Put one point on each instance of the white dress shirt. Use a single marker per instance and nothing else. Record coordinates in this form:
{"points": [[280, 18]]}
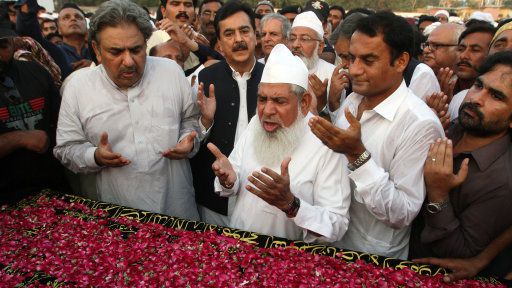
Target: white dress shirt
{"points": [[424, 82], [142, 122], [454, 106], [315, 179], [388, 190]]}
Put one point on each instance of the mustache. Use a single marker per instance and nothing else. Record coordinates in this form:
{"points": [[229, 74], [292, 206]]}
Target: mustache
{"points": [[465, 63], [182, 14], [473, 107], [240, 46], [127, 70]]}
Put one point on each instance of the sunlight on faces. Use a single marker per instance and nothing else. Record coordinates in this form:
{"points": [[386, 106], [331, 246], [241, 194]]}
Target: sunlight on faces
{"points": [[308, 50], [472, 52], [443, 56], [271, 35], [502, 43], [122, 51], [370, 69], [237, 39], [179, 11], [280, 124], [71, 21], [487, 108]]}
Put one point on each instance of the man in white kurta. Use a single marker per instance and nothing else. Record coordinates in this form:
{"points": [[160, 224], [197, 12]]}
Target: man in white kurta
{"points": [[133, 113], [313, 172]]}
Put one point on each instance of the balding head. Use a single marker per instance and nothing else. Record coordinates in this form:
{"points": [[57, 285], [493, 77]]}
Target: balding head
{"points": [[442, 51]]}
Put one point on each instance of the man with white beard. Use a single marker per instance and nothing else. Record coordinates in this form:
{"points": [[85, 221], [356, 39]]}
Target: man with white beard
{"points": [[308, 199], [306, 41]]}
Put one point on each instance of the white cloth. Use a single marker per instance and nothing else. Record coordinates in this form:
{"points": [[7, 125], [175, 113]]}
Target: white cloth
{"points": [[310, 20], [388, 190], [262, 60], [141, 122], [453, 107], [424, 81], [315, 178], [323, 70]]}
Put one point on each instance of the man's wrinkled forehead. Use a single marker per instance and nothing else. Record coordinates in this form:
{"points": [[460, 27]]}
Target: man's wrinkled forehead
{"points": [[70, 11]]}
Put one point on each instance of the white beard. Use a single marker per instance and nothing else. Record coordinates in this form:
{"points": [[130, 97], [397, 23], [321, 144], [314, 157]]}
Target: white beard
{"points": [[311, 61], [271, 148]]}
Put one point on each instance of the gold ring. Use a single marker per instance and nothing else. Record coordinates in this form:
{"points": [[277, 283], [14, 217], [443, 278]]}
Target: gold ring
{"points": [[433, 159]]}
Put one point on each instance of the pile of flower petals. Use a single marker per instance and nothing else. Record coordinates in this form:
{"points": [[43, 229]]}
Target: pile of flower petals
{"points": [[79, 248]]}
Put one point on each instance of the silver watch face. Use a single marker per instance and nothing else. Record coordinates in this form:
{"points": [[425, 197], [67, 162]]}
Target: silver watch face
{"points": [[433, 208]]}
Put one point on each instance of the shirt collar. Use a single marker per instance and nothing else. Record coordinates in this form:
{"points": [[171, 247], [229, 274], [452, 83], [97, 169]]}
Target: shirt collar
{"points": [[246, 75], [488, 154], [390, 105]]}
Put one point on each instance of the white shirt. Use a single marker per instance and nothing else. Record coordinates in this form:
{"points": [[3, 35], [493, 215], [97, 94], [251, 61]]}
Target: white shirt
{"points": [[424, 82], [454, 106], [388, 190], [141, 122], [315, 179]]}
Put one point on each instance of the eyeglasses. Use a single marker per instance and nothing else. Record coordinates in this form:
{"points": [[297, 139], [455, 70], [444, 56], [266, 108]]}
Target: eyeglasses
{"points": [[208, 14], [434, 46], [302, 39]]}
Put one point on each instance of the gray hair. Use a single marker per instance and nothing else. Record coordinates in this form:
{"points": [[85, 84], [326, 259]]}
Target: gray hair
{"points": [[116, 12], [285, 23], [298, 91], [346, 28]]}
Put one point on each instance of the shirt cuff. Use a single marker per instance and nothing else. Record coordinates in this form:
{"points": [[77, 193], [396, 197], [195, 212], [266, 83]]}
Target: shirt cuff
{"points": [[365, 176], [204, 131], [303, 219], [223, 191], [444, 220], [89, 158]]}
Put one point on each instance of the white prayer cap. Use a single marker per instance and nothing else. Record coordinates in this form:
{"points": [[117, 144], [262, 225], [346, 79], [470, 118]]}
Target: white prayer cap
{"points": [[310, 20], [283, 67], [431, 28], [443, 12], [482, 16]]}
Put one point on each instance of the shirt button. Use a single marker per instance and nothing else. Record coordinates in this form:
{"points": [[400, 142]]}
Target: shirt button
{"points": [[229, 123], [133, 100], [232, 103]]}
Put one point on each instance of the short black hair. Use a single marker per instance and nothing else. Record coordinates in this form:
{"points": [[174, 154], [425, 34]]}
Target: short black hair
{"points": [[231, 8], [503, 22], [498, 58], [480, 28], [339, 8], [360, 10], [164, 3], [424, 18], [395, 30], [209, 1]]}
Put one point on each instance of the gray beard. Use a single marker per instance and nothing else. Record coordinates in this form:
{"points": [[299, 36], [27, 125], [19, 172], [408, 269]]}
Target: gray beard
{"points": [[311, 61], [271, 148]]}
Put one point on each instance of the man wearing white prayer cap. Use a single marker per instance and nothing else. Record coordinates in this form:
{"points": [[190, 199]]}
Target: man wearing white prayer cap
{"points": [[306, 41], [288, 184], [442, 16]]}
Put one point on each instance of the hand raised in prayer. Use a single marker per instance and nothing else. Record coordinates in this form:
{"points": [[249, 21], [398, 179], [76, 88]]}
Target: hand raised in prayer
{"points": [[346, 141], [464, 268], [319, 89], [207, 105], [222, 167], [272, 187], [183, 148], [438, 170], [447, 82], [104, 155], [339, 81], [174, 30], [35, 140], [438, 102]]}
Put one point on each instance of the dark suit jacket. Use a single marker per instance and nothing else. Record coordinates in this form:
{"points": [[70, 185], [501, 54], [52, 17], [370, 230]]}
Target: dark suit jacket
{"points": [[223, 131]]}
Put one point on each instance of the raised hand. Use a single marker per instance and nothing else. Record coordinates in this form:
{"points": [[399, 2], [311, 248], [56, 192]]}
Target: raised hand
{"points": [[339, 81], [461, 268], [319, 88], [346, 141], [438, 102], [183, 148], [207, 105], [272, 187], [222, 167], [438, 170], [104, 155], [446, 81]]}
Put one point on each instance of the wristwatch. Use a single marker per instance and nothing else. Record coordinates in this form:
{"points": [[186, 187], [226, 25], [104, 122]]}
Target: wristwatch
{"points": [[436, 207], [363, 158], [293, 208]]}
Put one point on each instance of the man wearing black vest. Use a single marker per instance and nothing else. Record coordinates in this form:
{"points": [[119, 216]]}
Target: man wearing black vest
{"points": [[231, 90]]}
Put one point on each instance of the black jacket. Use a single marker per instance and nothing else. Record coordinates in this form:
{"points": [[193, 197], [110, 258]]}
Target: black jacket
{"points": [[223, 131]]}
